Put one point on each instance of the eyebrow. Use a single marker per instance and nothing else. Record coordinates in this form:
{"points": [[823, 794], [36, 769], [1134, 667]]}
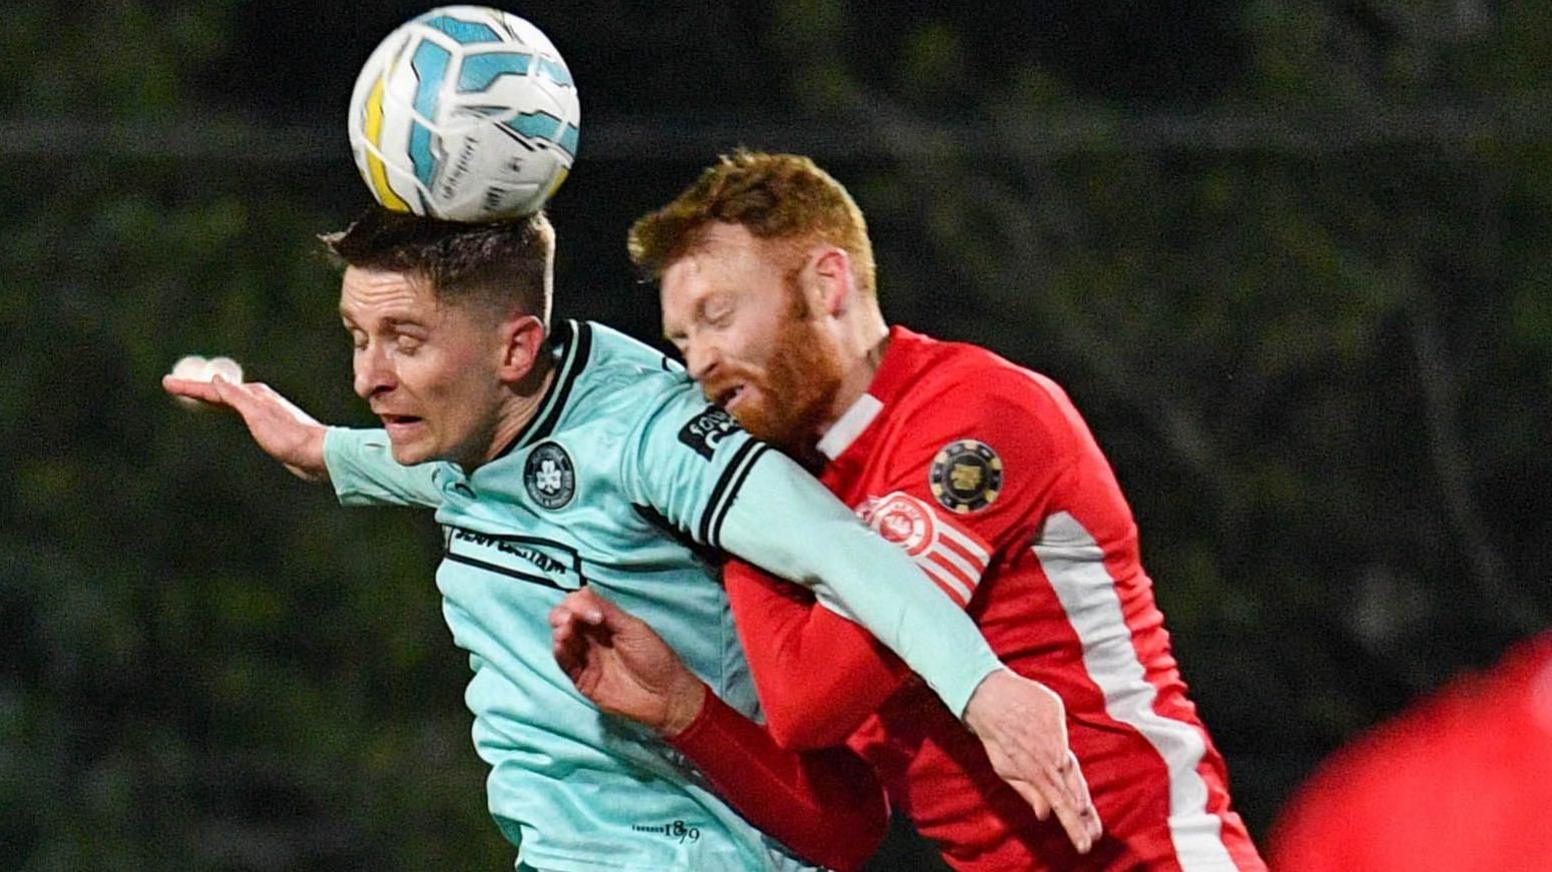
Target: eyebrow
{"points": [[390, 321]]}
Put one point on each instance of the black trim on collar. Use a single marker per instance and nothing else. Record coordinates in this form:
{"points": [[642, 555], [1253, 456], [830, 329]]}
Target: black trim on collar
{"points": [[582, 346], [571, 342]]}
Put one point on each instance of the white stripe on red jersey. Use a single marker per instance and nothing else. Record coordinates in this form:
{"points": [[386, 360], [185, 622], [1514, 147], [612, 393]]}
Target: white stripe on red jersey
{"points": [[953, 582], [1075, 565]]}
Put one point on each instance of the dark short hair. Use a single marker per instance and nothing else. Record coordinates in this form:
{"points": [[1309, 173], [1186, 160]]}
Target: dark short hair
{"points": [[507, 264]]}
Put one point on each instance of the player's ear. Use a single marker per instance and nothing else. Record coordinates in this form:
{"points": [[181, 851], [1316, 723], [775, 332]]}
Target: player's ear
{"points": [[522, 341], [831, 272]]}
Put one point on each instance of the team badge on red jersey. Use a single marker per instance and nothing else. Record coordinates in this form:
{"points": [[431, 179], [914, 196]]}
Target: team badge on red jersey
{"points": [[901, 519], [966, 476]]}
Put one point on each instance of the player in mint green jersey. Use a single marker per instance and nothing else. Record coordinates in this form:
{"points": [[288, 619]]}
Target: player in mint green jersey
{"points": [[576, 456]]}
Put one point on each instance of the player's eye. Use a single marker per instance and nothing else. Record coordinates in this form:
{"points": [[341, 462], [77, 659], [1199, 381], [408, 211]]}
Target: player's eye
{"points": [[717, 311], [408, 344]]}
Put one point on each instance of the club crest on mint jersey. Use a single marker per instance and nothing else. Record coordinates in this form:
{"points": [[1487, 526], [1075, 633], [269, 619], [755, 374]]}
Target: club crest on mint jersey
{"points": [[549, 475], [599, 489]]}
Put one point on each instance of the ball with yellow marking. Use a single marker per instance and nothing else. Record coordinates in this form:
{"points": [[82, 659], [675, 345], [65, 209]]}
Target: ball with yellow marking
{"points": [[464, 113]]}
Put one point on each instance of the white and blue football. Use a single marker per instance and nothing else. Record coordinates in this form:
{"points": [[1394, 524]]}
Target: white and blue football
{"points": [[464, 113]]}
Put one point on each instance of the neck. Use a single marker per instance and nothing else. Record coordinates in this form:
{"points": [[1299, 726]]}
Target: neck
{"points": [[863, 344], [516, 412]]}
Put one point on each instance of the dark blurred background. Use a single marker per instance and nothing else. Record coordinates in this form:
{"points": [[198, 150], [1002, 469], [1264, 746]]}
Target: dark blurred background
{"points": [[1291, 259]]}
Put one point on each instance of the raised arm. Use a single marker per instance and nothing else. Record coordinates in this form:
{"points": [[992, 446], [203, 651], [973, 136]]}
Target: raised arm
{"points": [[364, 473], [359, 463], [282, 430]]}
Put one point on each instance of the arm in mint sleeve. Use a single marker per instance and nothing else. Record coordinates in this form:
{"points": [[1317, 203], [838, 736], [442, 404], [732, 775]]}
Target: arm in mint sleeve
{"points": [[691, 463], [784, 521], [364, 473]]}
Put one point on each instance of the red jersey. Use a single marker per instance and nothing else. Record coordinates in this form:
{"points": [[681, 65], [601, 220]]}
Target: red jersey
{"points": [[1461, 782], [987, 475]]}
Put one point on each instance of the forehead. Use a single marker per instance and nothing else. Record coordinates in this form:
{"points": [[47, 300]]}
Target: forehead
{"points": [[368, 294], [726, 258]]}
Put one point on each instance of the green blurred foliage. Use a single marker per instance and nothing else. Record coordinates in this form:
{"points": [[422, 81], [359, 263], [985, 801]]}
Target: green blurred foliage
{"points": [[206, 664], [1322, 373]]}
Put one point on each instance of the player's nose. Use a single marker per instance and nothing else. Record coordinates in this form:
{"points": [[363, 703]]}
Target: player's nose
{"points": [[373, 373], [701, 359]]}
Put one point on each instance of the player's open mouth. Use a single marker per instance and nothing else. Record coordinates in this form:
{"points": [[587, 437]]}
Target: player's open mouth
{"points": [[727, 398], [399, 423]]}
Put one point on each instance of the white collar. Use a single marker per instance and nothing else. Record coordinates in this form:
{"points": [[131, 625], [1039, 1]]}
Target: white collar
{"points": [[849, 426]]}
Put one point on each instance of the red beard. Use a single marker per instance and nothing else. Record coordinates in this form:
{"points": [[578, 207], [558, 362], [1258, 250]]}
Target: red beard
{"points": [[800, 381]]}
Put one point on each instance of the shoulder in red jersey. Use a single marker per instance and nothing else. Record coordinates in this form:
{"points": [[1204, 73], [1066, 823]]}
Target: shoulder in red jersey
{"points": [[972, 447]]}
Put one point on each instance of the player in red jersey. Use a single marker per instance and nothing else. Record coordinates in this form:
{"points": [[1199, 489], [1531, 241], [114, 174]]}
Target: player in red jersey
{"points": [[1461, 782], [987, 475]]}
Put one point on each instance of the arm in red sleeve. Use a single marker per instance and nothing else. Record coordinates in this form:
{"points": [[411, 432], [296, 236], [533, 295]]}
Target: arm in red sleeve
{"points": [[825, 805], [818, 674]]}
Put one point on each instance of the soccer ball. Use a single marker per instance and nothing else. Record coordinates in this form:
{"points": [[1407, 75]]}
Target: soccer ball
{"points": [[466, 114]]}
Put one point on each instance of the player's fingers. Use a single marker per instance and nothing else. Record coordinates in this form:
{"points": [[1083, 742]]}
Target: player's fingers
{"points": [[568, 656], [1067, 792], [1079, 787], [235, 396], [562, 627], [263, 397], [1074, 823], [610, 613], [561, 615], [585, 605], [193, 389], [265, 392], [1032, 796], [574, 631], [274, 398], [573, 651], [1045, 775], [1069, 786], [582, 606], [562, 624], [1044, 789]]}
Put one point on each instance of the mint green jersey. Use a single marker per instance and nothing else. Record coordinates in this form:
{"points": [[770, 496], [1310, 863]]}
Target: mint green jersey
{"points": [[628, 480]]}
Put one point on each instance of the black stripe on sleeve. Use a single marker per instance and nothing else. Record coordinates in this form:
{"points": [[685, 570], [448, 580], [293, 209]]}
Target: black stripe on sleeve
{"points": [[727, 501], [728, 474]]}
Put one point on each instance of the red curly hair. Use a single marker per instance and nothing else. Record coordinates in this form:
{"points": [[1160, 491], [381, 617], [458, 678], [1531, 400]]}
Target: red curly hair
{"points": [[779, 197]]}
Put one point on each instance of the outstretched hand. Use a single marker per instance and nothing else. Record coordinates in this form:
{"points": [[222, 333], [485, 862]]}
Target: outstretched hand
{"points": [[620, 663], [284, 431], [1023, 726]]}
